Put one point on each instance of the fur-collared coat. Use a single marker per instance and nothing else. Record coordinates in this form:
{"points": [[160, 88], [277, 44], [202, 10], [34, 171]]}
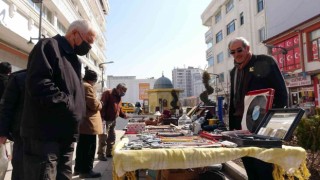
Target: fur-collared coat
{"points": [[92, 123]]}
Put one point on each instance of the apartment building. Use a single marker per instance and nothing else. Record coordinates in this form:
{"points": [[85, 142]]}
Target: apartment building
{"points": [[227, 19], [287, 31], [188, 79], [21, 27]]}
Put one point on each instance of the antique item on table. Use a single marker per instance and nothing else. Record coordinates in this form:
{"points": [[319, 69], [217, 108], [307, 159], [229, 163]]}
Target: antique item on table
{"points": [[151, 121], [276, 126], [170, 134], [135, 127], [257, 103]]}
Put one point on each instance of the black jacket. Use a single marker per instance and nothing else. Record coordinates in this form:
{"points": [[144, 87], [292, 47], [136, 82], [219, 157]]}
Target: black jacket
{"points": [[260, 73], [54, 98], [3, 83], [11, 105]]}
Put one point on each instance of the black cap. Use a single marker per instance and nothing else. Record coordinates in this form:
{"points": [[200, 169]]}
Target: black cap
{"points": [[90, 75]]}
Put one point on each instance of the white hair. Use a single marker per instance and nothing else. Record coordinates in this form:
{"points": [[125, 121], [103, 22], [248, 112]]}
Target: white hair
{"points": [[244, 41], [82, 25]]}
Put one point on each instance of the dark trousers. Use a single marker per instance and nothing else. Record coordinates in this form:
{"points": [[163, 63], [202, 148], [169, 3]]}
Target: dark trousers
{"points": [[85, 152], [106, 141], [17, 159], [235, 123], [47, 160], [257, 169]]}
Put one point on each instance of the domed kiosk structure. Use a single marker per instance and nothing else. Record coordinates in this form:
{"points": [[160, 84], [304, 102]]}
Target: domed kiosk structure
{"points": [[162, 94]]}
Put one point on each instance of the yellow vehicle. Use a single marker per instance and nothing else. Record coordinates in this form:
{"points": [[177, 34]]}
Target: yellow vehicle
{"points": [[128, 107]]}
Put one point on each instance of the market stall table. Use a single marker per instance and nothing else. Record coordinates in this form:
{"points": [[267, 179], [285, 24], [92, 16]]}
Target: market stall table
{"points": [[286, 159]]}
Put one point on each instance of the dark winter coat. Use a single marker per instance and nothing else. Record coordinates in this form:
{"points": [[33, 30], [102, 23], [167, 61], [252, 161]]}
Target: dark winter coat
{"points": [[3, 83], [11, 105], [54, 98], [261, 72]]}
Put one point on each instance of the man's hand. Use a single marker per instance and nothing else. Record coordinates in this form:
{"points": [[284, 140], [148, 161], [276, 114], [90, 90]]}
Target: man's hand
{"points": [[3, 139]]}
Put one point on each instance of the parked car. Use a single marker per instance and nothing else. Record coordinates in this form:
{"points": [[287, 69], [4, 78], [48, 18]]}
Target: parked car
{"points": [[128, 107]]}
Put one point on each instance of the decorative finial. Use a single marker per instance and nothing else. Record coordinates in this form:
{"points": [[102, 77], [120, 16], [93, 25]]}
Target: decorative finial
{"points": [[162, 74]]}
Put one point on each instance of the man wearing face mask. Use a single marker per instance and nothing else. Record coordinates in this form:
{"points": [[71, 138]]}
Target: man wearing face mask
{"points": [[111, 109], [253, 72], [54, 102]]}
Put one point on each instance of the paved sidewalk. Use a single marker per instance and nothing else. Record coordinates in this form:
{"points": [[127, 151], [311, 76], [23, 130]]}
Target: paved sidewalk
{"points": [[104, 167]]}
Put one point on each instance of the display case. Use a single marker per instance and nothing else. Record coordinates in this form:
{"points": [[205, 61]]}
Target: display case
{"points": [[277, 126]]}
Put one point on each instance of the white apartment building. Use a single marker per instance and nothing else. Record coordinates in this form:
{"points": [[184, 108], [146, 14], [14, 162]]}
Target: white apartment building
{"points": [[21, 27], [188, 79], [137, 88], [227, 19]]}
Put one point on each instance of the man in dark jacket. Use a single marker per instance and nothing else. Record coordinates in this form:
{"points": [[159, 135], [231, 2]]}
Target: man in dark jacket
{"points": [[11, 107], [54, 102], [5, 70], [111, 109], [253, 72]]}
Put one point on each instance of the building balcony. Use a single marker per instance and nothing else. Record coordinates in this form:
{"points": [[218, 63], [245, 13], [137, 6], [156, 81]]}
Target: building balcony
{"points": [[209, 53], [209, 36]]}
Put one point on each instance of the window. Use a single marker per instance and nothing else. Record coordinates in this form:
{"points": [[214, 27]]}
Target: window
{"points": [[315, 45], [229, 6], [291, 60], [221, 77], [218, 17], [219, 36], [210, 61], [47, 14], [241, 19], [262, 34], [220, 57], [61, 28], [36, 6], [231, 27], [259, 5], [209, 44]]}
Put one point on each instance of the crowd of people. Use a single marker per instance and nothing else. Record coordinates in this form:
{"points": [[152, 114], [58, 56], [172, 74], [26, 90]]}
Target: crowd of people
{"points": [[46, 108]]}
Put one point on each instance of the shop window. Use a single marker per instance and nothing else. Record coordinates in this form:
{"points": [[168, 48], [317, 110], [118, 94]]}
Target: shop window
{"points": [[291, 60], [315, 45]]}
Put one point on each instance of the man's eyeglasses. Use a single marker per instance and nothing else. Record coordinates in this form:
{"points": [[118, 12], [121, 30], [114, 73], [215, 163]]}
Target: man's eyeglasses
{"points": [[238, 51]]}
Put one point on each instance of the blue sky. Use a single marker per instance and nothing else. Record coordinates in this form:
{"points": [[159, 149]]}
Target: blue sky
{"points": [[148, 37]]}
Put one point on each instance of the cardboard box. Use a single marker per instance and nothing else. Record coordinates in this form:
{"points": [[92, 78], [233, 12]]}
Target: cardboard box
{"points": [[185, 174]]}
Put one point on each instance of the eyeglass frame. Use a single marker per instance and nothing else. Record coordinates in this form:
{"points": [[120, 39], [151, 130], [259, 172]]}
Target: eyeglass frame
{"points": [[238, 50]]}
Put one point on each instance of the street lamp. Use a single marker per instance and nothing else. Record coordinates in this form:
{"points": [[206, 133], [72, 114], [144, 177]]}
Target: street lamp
{"points": [[40, 21], [102, 73]]}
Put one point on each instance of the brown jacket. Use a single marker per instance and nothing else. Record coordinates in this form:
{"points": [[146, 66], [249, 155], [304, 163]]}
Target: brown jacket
{"points": [[112, 106], [92, 123]]}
